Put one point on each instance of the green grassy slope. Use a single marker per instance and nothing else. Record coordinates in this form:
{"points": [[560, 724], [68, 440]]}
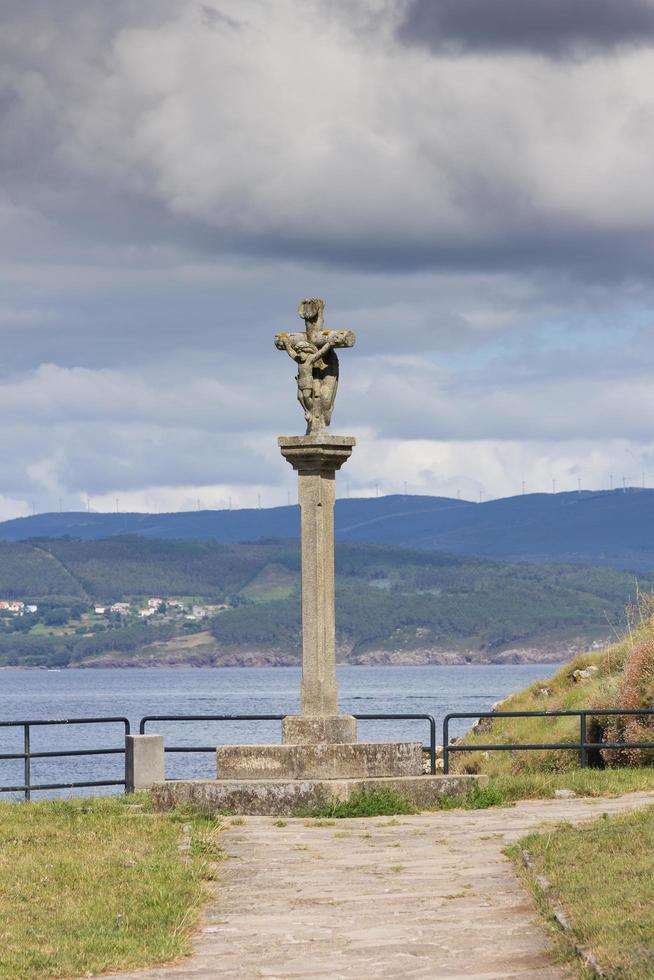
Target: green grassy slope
{"points": [[621, 676]]}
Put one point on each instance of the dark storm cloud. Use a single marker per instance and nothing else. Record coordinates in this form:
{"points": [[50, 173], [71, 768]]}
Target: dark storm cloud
{"points": [[105, 139], [557, 28], [90, 16], [585, 254]]}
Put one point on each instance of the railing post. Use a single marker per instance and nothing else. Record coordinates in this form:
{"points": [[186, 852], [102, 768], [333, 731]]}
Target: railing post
{"points": [[26, 750], [583, 755], [432, 746], [446, 751]]}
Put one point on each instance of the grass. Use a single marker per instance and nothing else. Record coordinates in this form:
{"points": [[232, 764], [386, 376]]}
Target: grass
{"points": [[564, 694], [501, 791], [478, 798], [584, 782], [366, 803], [602, 875], [93, 885], [623, 676], [507, 789]]}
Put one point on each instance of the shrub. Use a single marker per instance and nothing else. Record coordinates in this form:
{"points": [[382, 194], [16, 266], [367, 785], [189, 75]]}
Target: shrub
{"points": [[635, 690]]}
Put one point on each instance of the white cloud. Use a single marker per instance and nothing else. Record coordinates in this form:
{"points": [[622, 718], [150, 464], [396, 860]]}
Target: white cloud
{"points": [[178, 176], [11, 508], [495, 469]]}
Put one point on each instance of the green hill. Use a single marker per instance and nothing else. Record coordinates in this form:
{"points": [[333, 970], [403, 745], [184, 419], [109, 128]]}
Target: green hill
{"points": [[390, 600]]}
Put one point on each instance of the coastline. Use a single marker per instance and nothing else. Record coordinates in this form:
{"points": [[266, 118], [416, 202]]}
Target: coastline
{"points": [[552, 650], [188, 652], [263, 660]]}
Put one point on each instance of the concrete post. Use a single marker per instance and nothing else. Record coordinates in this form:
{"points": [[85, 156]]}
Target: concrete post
{"points": [[316, 458], [144, 761]]}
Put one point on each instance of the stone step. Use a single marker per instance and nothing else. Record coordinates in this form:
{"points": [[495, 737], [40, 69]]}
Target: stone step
{"points": [[323, 760], [289, 797]]}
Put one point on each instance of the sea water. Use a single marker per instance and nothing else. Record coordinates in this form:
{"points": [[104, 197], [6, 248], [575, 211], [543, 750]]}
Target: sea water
{"points": [[134, 693]]}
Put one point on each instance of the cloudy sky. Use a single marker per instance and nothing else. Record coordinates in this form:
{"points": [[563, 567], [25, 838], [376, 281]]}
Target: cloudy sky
{"points": [[468, 183]]}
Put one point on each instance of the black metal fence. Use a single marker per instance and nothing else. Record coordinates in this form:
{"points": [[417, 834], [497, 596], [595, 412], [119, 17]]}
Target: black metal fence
{"points": [[27, 755], [581, 746], [430, 748]]}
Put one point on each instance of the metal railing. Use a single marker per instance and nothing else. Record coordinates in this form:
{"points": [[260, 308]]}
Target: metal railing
{"points": [[430, 748], [582, 745], [27, 755]]}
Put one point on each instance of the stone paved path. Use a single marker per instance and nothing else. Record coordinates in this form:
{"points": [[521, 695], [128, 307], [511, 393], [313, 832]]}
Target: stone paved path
{"points": [[418, 896]]}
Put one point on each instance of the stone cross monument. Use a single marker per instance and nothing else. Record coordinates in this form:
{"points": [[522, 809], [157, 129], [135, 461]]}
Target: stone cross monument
{"points": [[319, 759], [316, 457]]}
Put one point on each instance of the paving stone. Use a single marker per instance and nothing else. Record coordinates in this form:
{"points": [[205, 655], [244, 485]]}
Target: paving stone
{"points": [[305, 901]]}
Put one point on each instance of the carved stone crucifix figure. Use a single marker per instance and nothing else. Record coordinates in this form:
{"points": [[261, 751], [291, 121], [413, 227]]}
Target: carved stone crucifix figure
{"points": [[313, 352]]}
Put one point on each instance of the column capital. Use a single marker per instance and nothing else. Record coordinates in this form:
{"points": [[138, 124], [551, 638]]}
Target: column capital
{"points": [[317, 453]]}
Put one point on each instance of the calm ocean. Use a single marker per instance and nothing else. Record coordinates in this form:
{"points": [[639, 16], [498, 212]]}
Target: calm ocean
{"points": [[32, 694]]}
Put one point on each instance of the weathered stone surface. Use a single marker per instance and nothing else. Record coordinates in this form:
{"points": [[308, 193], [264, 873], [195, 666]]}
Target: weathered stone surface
{"points": [[144, 761], [304, 729], [316, 459], [319, 453], [578, 676], [317, 363], [324, 760], [421, 897], [284, 797]]}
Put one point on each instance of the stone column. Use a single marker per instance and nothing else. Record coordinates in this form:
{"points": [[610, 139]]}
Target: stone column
{"points": [[316, 458]]}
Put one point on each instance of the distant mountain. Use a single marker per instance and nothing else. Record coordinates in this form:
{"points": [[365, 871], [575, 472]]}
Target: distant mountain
{"points": [[227, 526], [610, 528]]}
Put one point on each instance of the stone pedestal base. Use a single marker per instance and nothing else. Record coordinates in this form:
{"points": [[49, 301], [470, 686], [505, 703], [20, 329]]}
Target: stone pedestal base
{"points": [[308, 729], [324, 760], [292, 797]]}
